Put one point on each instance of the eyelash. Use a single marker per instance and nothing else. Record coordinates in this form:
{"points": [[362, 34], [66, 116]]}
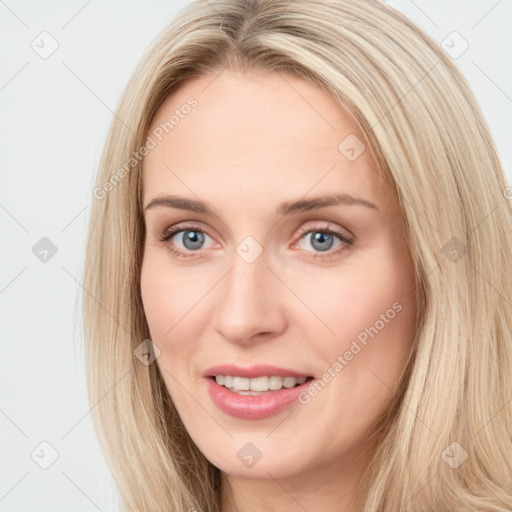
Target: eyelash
{"points": [[167, 235]]}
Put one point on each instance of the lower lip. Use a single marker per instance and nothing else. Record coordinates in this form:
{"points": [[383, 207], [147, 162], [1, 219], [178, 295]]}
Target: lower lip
{"points": [[253, 407]]}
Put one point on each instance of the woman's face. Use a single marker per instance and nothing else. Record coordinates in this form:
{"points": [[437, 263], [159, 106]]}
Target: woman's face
{"points": [[274, 273]]}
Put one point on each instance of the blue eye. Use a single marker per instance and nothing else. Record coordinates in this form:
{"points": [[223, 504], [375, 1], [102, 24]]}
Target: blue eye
{"points": [[192, 239], [322, 238]]}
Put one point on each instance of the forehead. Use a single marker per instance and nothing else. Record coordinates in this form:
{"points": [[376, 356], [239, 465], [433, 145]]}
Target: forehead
{"points": [[268, 136]]}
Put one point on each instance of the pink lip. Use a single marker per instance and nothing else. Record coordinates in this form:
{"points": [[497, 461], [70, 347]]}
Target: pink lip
{"points": [[259, 370], [253, 407]]}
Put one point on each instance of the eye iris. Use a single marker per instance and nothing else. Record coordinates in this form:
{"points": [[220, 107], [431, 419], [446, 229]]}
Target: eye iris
{"points": [[321, 238], [195, 237]]}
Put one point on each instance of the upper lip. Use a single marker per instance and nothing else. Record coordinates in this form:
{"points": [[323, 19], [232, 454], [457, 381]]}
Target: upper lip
{"points": [[258, 370]]}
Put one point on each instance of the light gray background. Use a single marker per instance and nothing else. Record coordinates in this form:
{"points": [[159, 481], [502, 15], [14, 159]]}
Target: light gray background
{"points": [[56, 112]]}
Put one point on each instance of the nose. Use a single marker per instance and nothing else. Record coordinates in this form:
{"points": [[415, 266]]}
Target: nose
{"points": [[250, 303]]}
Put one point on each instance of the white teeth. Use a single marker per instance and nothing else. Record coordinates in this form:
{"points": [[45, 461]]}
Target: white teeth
{"points": [[275, 383], [241, 383], [289, 382], [258, 384]]}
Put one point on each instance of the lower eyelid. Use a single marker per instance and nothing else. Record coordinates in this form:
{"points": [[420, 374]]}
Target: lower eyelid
{"points": [[345, 240]]}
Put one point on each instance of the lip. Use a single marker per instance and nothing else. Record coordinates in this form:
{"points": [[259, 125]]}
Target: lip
{"points": [[253, 407], [251, 372]]}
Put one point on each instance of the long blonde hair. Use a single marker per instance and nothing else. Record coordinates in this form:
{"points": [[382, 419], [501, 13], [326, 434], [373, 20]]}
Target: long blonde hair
{"points": [[446, 441]]}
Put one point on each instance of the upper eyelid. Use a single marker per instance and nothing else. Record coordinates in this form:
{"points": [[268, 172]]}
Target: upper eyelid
{"points": [[347, 242], [319, 226]]}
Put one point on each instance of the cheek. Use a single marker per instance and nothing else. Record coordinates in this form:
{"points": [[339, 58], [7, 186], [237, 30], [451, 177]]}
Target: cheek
{"points": [[368, 316], [157, 300], [171, 304], [354, 298], [169, 294], [372, 313], [165, 300]]}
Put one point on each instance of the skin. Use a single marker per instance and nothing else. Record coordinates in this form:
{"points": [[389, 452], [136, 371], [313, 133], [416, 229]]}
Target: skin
{"points": [[255, 140]]}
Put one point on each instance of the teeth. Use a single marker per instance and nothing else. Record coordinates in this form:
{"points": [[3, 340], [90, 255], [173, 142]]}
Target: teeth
{"points": [[258, 384], [241, 383], [275, 383]]}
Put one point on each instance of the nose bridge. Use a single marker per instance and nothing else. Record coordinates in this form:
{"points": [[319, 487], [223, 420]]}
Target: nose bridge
{"points": [[248, 302]]}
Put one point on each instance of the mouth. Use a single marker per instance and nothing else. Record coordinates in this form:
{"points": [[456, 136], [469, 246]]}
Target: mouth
{"points": [[253, 398], [258, 385]]}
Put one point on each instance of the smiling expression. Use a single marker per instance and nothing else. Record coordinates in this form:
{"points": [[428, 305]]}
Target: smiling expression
{"points": [[267, 244]]}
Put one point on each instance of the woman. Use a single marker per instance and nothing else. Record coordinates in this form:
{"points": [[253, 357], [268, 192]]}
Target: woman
{"points": [[235, 363]]}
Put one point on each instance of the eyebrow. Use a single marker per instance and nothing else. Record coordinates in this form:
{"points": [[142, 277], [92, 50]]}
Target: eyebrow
{"points": [[300, 205]]}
